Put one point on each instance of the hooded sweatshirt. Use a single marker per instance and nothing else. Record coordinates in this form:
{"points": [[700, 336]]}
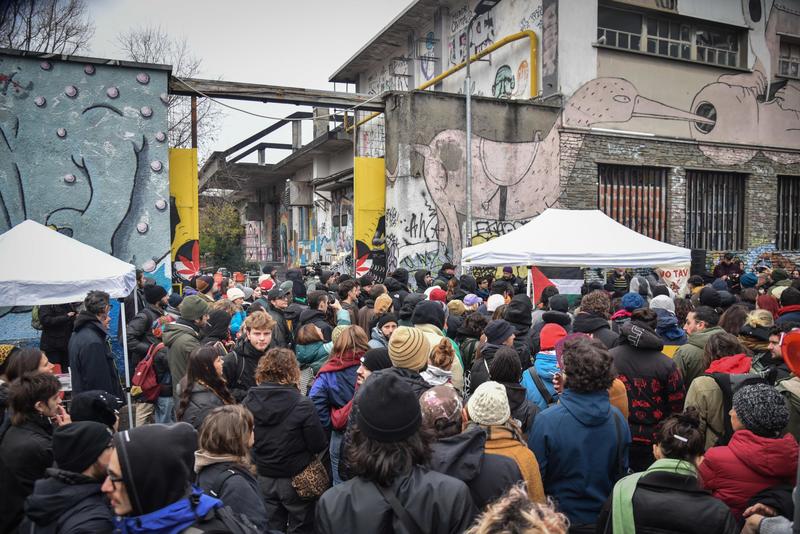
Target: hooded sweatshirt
{"points": [[576, 445], [689, 357], [407, 309], [156, 462], [68, 502], [419, 277], [287, 429], [597, 326], [462, 456], [654, 384], [669, 330]]}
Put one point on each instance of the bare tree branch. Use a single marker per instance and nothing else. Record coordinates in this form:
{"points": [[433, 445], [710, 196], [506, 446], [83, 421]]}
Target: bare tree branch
{"points": [[60, 26], [152, 44]]}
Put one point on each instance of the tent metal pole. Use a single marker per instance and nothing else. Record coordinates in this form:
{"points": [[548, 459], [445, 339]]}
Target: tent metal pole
{"points": [[530, 281], [131, 420]]}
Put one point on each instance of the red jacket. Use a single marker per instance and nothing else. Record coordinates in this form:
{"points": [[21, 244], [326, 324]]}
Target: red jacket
{"points": [[747, 465]]}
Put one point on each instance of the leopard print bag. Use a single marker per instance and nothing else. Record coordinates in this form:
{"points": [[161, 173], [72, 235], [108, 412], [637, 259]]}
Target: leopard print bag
{"points": [[312, 481]]}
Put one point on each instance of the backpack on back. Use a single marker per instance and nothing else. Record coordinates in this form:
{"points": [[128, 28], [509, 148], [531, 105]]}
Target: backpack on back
{"points": [[145, 376], [728, 387]]}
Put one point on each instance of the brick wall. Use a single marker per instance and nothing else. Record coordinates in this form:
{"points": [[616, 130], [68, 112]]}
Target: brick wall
{"points": [[580, 154]]}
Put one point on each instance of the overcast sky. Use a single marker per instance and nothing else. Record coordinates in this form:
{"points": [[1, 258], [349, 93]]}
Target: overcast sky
{"points": [[296, 43]]}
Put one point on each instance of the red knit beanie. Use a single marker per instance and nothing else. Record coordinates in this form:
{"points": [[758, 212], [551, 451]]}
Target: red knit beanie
{"points": [[551, 334]]}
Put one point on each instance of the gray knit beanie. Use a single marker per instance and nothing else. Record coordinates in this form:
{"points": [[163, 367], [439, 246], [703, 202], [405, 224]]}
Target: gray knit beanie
{"points": [[761, 410]]}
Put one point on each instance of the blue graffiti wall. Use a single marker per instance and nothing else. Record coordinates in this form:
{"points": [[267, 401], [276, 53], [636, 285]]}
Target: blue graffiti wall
{"points": [[83, 149]]}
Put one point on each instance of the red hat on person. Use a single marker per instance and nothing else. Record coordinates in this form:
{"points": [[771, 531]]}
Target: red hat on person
{"points": [[551, 334], [267, 284], [438, 294]]}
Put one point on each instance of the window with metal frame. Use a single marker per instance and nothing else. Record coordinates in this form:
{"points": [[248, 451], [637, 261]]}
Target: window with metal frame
{"points": [[634, 196], [714, 210], [788, 225], [667, 36]]}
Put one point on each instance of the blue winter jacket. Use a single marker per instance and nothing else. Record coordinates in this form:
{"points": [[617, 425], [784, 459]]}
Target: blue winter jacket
{"points": [[575, 443], [236, 321], [332, 390], [545, 365], [668, 329]]}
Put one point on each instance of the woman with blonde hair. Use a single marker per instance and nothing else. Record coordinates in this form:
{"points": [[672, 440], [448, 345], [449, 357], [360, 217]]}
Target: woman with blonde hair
{"points": [[288, 436], [335, 385], [223, 465], [515, 512]]}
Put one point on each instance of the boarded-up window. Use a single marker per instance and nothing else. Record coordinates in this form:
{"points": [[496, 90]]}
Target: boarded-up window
{"points": [[714, 210], [788, 236], [635, 197]]}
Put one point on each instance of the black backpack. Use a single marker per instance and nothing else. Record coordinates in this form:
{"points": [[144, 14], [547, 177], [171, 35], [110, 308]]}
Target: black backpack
{"points": [[221, 520], [728, 387]]}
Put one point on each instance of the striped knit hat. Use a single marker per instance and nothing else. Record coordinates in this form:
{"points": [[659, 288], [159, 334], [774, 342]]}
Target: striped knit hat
{"points": [[409, 348]]}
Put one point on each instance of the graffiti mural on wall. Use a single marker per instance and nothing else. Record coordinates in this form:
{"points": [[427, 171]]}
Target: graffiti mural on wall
{"points": [[184, 214], [483, 35], [427, 59], [83, 148]]}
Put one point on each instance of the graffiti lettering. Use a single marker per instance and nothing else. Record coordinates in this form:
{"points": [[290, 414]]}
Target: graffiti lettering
{"points": [[489, 229]]}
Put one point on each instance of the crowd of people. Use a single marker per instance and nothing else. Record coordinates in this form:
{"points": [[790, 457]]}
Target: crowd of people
{"points": [[424, 403]]}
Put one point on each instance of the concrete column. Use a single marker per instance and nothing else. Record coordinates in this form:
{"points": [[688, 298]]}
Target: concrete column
{"points": [[320, 121], [676, 204], [297, 135]]}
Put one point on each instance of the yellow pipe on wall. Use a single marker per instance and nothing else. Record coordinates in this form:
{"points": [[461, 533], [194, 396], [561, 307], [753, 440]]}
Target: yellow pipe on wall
{"points": [[534, 85]]}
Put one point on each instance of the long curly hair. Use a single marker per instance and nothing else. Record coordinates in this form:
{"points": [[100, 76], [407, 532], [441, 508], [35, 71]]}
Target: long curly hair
{"points": [[515, 513], [200, 370]]}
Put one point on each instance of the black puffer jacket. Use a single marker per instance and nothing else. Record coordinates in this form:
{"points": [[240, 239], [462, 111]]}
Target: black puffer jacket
{"points": [[397, 291], [201, 402], [436, 502], [463, 456], [236, 487], [599, 327], [140, 335], [91, 361], [26, 452], [56, 326], [316, 317], [239, 368], [287, 429], [519, 314], [695, 511], [522, 409], [67, 503], [480, 367]]}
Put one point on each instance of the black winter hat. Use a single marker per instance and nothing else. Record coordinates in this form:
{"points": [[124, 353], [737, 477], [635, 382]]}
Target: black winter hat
{"points": [[95, 405], [498, 331], [559, 303], [386, 318], [377, 359], [157, 464], [154, 293], [428, 312], [519, 310], [407, 309], [710, 297], [76, 446], [388, 409], [726, 299]]}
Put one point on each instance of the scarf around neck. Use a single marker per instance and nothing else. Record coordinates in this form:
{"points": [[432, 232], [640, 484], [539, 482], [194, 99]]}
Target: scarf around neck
{"points": [[622, 503]]}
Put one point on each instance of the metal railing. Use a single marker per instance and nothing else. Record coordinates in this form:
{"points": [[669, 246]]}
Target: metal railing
{"points": [[534, 85]]}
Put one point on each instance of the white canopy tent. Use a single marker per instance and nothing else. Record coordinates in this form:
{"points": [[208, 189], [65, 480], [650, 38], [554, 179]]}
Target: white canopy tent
{"points": [[574, 238], [42, 266]]}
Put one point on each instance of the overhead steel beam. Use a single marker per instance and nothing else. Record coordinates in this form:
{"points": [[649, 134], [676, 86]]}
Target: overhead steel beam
{"points": [[273, 93], [269, 129]]}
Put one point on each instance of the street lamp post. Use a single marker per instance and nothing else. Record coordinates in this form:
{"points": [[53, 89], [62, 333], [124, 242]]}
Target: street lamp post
{"points": [[484, 6]]}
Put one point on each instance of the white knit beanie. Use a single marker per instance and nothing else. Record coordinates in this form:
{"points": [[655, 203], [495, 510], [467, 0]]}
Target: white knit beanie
{"points": [[489, 404], [494, 302], [662, 302]]}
